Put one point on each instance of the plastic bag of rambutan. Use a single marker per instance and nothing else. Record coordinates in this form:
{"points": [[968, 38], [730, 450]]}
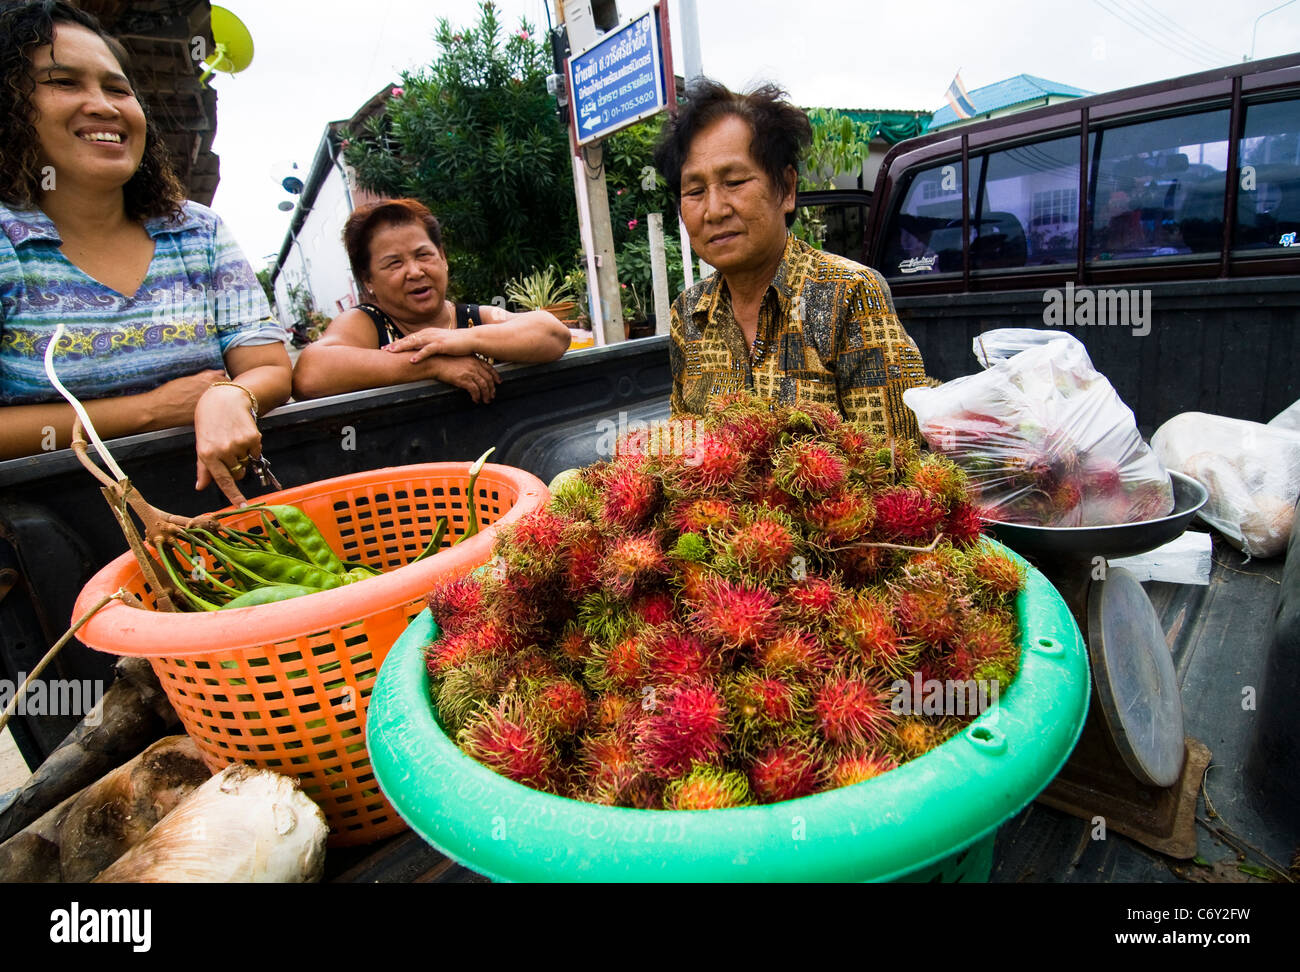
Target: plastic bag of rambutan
{"points": [[1043, 436], [741, 608]]}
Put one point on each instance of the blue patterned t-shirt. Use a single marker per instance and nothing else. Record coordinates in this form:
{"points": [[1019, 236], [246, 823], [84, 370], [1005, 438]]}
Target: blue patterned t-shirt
{"points": [[199, 299]]}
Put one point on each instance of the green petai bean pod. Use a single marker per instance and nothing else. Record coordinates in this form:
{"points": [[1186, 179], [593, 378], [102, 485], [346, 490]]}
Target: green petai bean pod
{"points": [[268, 595], [300, 528]]}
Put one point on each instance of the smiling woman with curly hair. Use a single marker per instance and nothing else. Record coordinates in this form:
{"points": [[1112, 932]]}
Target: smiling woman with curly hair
{"points": [[160, 308], [153, 190]]}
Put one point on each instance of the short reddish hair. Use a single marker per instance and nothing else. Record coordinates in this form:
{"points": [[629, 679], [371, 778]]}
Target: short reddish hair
{"points": [[362, 224]]}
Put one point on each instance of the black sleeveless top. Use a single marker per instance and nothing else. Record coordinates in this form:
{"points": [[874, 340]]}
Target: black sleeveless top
{"points": [[467, 315]]}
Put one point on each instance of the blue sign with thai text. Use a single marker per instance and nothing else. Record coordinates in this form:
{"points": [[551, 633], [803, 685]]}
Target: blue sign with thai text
{"points": [[619, 81]]}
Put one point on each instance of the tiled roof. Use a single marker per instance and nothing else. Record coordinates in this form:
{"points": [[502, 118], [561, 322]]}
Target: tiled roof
{"points": [[1007, 94]]}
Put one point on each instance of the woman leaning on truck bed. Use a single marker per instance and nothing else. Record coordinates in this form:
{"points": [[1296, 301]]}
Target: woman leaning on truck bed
{"points": [[779, 318], [165, 323], [406, 329]]}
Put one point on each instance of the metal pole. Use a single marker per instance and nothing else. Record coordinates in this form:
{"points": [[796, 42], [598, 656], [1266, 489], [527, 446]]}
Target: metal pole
{"points": [[690, 29], [584, 230], [1256, 27], [659, 271]]}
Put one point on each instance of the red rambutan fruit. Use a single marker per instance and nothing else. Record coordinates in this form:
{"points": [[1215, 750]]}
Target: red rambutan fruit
{"points": [[560, 706], [939, 478], [497, 640], [996, 571], [632, 562], [862, 565], [811, 599], [504, 739], [765, 491], [848, 770], [858, 446], [812, 418], [654, 609], [574, 645], [712, 463], [932, 614], [850, 711], [907, 513], [963, 526], [760, 699], [673, 653], [618, 666], [865, 625], [456, 603], [1066, 499], [631, 494], [762, 546], [913, 737], [613, 710], [1101, 476], [451, 651], [692, 579], [809, 468], [734, 614], [584, 552], [688, 724], [785, 772], [533, 541], [703, 515], [609, 768], [708, 788], [842, 517], [791, 651]]}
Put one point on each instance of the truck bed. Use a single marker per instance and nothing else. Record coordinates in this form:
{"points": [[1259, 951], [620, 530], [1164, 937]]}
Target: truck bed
{"points": [[1220, 637]]}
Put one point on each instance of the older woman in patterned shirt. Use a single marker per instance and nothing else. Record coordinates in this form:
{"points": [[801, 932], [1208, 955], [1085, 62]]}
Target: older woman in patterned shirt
{"points": [[779, 318], [165, 322]]}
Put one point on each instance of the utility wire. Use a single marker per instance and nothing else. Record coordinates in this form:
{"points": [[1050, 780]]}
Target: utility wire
{"points": [[1163, 42], [1217, 52]]}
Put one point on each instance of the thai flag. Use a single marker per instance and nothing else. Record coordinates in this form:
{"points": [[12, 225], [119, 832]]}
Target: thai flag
{"points": [[957, 98]]}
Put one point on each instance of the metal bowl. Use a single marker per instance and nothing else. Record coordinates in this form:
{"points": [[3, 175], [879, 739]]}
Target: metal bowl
{"points": [[1117, 540]]}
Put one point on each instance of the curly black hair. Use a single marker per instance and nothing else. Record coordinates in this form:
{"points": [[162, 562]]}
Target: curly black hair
{"points": [[154, 190], [781, 130]]}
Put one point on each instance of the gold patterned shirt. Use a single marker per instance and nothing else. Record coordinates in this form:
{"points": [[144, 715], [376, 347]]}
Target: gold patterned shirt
{"points": [[827, 333]]}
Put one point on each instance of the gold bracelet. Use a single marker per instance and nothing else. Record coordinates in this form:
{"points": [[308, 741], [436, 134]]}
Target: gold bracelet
{"points": [[252, 399]]}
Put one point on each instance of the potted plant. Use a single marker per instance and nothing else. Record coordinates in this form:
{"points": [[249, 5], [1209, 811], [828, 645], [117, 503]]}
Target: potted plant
{"points": [[638, 323], [544, 290]]}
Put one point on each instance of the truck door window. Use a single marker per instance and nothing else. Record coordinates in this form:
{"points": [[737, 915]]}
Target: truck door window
{"points": [[1028, 207], [1157, 188], [925, 235], [1268, 190]]}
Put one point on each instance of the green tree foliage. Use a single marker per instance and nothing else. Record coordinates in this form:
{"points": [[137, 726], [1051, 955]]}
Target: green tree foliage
{"points": [[635, 191], [839, 146], [475, 138]]}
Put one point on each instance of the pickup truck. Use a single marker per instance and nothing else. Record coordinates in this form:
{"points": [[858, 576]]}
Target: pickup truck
{"points": [[1048, 194]]}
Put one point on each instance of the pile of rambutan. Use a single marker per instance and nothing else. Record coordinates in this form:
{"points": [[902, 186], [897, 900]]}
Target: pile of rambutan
{"points": [[724, 614]]}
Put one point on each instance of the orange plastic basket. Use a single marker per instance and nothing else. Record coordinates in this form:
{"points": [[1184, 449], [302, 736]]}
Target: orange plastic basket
{"points": [[286, 685]]}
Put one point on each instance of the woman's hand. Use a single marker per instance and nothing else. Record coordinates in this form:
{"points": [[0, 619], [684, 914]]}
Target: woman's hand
{"points": [[467, 372], [225, 437], [429, 341]]}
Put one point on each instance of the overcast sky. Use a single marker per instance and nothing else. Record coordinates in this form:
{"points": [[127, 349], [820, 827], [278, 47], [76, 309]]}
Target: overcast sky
{"points": [[318, 60]]}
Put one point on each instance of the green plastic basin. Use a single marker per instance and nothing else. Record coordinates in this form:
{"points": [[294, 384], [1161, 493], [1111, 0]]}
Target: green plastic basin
{"points": [[933, 818]]}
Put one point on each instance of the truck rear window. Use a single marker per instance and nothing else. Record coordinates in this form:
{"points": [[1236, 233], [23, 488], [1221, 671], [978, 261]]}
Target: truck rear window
{"points": [[1157, 188], [1028, 209], [1268, 196], [925, 235]]}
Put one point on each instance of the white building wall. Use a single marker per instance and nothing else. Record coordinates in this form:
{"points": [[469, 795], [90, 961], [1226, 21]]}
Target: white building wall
{"points": [[321, 240], [317, 255]]}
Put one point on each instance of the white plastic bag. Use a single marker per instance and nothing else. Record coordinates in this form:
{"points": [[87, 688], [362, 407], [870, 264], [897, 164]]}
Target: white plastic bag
{"points": [[1043, 437], [1251, 470], [1288, 418]]}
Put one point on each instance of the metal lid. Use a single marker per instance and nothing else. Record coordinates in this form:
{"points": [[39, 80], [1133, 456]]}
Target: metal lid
{"points": [[1135, 678]]}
